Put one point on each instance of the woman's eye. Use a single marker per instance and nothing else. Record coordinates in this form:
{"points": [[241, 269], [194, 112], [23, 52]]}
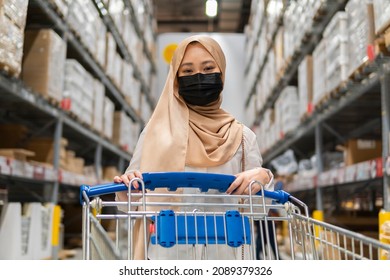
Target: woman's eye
{"points": [[209, 68], [186, 71]]}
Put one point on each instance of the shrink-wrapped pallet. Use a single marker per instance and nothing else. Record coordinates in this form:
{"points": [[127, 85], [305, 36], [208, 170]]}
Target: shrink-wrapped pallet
{"points": [[336, 40], [13, 15]]}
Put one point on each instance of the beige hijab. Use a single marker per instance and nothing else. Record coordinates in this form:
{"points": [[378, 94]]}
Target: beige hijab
{"points": [[179, 135]]}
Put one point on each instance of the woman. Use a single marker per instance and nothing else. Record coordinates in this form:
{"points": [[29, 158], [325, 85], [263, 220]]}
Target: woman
{"points": [[188, 131]]}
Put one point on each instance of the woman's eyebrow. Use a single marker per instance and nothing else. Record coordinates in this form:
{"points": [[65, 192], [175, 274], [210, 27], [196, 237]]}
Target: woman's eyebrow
{"points": [[191, 64], [186, 64], [208, 61]]}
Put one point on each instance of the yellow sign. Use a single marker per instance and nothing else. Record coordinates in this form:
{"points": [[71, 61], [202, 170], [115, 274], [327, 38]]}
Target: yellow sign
{"points": [[384, 232], [168, 52]]}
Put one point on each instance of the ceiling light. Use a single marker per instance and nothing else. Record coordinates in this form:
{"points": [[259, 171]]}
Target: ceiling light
{"points": [[211, 8]]}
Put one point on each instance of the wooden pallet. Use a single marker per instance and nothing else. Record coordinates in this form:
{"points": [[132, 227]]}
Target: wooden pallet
{"points": [[8, 70], [319, 15], [52, 101], [383, 29], [382, 42], [322, 102], [78, 119], [306, 38], [339, 90], [283, 69], [128, 100], [61, 13], [82, 44], [280, 73], [305, 117], [361, 72]]}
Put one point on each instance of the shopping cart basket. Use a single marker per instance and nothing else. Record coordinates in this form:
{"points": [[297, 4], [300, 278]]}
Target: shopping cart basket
{"points": [[203, 222]]}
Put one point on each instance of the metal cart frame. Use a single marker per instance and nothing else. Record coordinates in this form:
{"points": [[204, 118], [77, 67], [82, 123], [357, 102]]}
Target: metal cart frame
{"points": [[230, 224]]}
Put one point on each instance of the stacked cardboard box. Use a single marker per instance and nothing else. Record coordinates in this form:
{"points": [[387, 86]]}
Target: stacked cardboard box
{"points": [[100, 53], [116, 10], [79, 88], [73, 163], [382, 15], [305, 86], [109, 172], [98, 105], [146, 110], [319, 68], [360, 19], [267, 130], [127, 81], [108, 117], [110, 57], [14, 135], [359, 150], [82, 19], [122, 130], [61, 6], [336, 50], [13, 15], [43, 62], [287, 110], [43, 147]]}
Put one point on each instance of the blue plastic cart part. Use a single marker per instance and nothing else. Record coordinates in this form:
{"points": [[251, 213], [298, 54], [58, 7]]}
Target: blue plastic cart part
{"points": [[232, 229], [174, 180], [170, 180]]}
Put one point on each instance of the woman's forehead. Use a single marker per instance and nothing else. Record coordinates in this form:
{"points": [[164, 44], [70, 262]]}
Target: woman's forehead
{"points": [[196, 52]]}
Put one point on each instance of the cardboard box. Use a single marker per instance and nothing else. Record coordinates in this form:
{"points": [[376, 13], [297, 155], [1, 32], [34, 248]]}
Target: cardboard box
{"points": [[44, 149], [18, 154], [109, 172], [108, 117], [305, 86], [122, 127], [98, 105], [358, 150], [13, 135], [44, 62]]}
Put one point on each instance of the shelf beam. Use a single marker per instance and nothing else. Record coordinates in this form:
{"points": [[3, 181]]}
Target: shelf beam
{"points": [[385, 95], [122, 46], [354, 91], [329, 9], [319, 162], [15, 88], [75, 43]]}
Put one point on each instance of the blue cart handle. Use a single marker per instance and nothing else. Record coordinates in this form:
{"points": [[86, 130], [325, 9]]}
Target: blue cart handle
{"points": [[174, 180]]}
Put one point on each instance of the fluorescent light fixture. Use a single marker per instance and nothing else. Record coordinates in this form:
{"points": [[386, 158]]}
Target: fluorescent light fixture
{"points": [[211, 8]]}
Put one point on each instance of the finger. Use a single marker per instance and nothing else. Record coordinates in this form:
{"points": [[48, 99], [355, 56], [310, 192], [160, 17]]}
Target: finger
{"points": [[134, 183], [236, 183], [242, 189], [138, 174], [253, 188], [117, 179], [125, 179]]}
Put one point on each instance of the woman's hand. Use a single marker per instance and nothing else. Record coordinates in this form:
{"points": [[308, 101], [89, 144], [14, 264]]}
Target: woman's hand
{"points": [[126, 178], [240, 185]]}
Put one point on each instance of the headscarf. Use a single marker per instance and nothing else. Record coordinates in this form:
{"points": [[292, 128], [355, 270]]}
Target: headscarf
{"points": [[180, 135]]}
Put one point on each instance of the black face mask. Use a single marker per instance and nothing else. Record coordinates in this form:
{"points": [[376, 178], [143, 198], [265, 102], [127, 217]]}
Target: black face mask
{"points": [[200, 89]]}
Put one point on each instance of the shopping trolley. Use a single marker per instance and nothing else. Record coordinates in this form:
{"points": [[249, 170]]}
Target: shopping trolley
{"points": [[203, 222]]}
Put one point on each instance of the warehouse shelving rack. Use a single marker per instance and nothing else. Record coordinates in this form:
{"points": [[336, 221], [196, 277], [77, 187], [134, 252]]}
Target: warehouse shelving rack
{"points": [[44, 117], [359, 107]]}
